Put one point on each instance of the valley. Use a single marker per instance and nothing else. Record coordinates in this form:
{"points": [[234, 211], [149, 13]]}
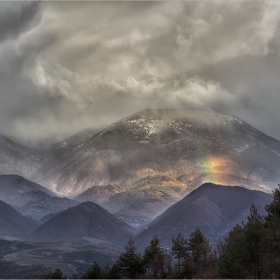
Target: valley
{"points": [[26, 259]]}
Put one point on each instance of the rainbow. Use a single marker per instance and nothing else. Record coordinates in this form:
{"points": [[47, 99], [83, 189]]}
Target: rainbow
{"points": [[215, 169]]}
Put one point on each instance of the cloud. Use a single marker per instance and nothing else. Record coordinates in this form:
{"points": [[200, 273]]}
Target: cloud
{"points": [[66, 66], [16, 17], [217, 31]]}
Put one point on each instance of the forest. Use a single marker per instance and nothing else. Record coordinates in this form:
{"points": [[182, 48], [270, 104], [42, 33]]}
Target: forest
{"points": [[250, 250]]}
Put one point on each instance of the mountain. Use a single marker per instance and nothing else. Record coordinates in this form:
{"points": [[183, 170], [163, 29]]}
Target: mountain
{"points": [[31, 199], [215, 209], [76, 139], [86, 221], [98, 194], [12, 223], [154, 158], [19, 159]]}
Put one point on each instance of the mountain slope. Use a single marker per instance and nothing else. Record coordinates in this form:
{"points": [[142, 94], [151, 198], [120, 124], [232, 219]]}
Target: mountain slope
{"points": [[162, 155], [87, 220], [12, 223], [19, 159], [214, 209], [76, 139], [29, 198]]}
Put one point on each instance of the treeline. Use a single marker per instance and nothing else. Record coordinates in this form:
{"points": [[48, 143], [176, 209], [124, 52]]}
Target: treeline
{"points": [[188, 258], [250, 250]]}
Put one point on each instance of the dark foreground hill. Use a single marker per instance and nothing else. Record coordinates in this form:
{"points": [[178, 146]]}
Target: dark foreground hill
{"points": [[12, 223], [31, 199], [86, 221], [215, 209]]}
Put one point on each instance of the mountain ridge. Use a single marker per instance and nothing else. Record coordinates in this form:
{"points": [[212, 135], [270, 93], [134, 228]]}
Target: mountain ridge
{"points": [[12, 223], [162, 155], [86, 220], [30, 198], [215, 209], [155, 157]]}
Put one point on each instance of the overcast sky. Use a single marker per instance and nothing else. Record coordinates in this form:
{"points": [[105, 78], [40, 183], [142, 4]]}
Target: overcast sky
{"points": [[66, 66]]}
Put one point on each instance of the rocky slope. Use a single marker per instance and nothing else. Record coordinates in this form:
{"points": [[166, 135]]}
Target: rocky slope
{"points": [[215, 209], [18, 159]]}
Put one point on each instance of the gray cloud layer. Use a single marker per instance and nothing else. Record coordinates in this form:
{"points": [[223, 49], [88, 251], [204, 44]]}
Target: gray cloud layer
{"points": [[65, 66]]}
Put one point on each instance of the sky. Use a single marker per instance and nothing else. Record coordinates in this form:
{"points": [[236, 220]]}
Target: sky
{"points": [[67, 66]]}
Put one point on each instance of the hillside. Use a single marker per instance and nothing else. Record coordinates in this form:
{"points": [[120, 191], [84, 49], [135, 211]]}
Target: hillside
{"points": [[12, 223], [19, 159], [154, 158], [215, 209], [31, 199], [87, 221]]}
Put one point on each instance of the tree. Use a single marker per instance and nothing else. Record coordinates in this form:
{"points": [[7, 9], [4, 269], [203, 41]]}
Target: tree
{"points": [[273, 209], [201, 254], [254, 241], [198, 245], [233, 254], [94, 272], [179, 249], [156, 259], [272, 234], [57, 274], [252, 251], [130, 262], [242, 253], [114, 272]]}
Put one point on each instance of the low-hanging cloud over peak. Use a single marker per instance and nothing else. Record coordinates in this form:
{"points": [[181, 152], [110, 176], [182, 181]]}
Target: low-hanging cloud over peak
{"points": [[65, 66]]}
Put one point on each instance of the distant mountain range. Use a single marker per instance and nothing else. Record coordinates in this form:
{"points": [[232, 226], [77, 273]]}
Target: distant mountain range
{"points": [[31, 199], [139, 166], [215, 209]]}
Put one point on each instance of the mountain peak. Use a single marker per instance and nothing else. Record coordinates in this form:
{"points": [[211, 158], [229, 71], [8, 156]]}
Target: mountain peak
{"points": [[161, 155], [86, 220], [215, 209], [12, 223]]}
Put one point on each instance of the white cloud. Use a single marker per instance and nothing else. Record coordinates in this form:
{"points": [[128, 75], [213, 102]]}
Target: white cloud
{"points": [[217, 31]]}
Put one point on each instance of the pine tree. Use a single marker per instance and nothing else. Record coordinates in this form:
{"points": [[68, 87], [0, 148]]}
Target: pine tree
{"points": [[114, 272], [57, 274], [156, 259], [254, 241], [130, 262], [273, 209], [272, 233], [94, 272], [200, 252], [233, 254], [197, 245], [179, 249]]}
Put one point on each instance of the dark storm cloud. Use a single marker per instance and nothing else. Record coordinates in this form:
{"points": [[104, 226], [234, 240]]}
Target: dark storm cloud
{"points": [[65, 66], [15, 17]]}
